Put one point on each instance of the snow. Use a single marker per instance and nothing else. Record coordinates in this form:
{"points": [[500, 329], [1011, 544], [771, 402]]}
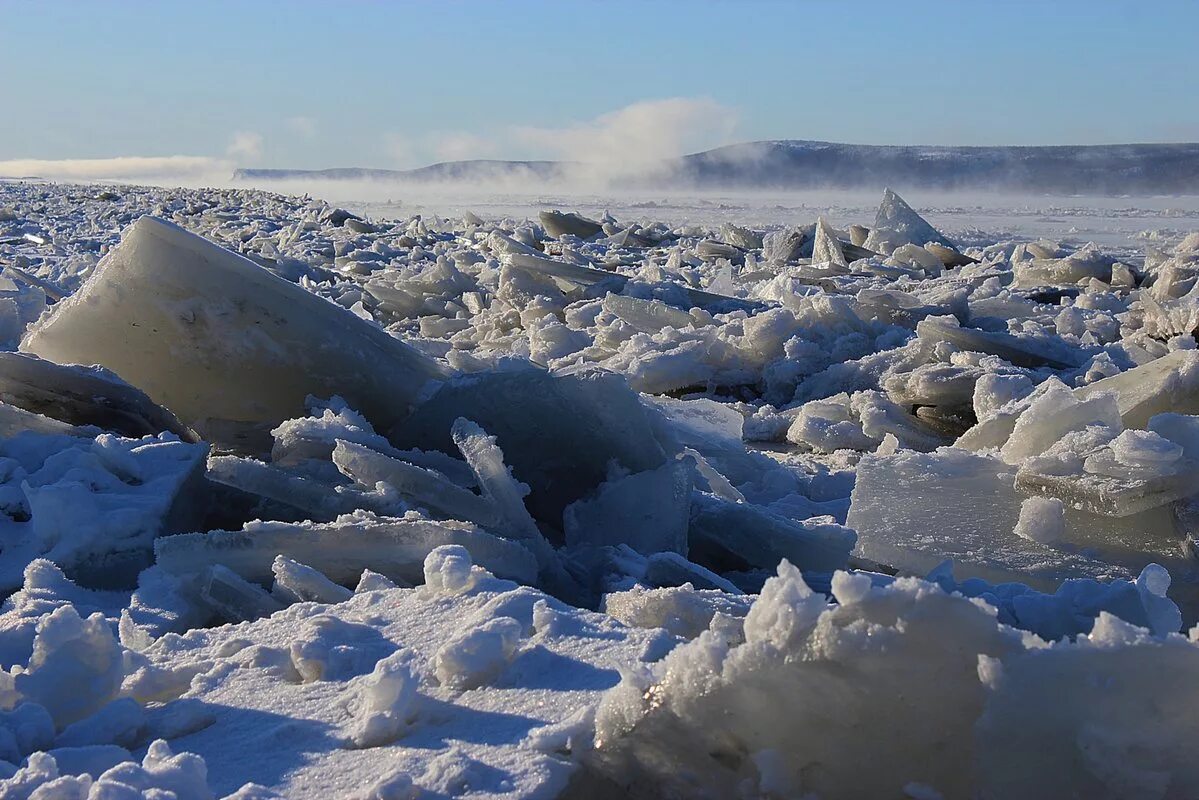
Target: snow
{"points": [[678, 500]]}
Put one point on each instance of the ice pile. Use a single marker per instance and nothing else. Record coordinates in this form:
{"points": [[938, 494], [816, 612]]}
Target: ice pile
{"points": [[576, 507]]}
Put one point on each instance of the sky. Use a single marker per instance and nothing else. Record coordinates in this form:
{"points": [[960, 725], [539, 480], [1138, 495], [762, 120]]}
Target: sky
{"points": [[91, 87]]}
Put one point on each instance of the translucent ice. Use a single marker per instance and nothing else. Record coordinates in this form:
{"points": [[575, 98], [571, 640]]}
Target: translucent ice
{"points": [[186, 321]]}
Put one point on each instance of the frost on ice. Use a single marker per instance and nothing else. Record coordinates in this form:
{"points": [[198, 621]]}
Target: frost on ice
{"points": [[298, 503]]}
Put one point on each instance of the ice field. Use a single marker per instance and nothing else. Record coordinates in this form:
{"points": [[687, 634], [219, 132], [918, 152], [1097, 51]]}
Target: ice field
{"points": [[573, 496]]}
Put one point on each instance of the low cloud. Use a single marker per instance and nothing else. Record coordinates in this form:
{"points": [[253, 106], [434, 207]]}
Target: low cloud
{"points": [[459, 146], [245, 146], [638, 134], [399, 149], [627, 141], [148, 168], [304, 126]]}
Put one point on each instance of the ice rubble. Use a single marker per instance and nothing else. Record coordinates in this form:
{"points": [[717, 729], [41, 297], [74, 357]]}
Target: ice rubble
{"points": [[907, 501], [814, 691]]}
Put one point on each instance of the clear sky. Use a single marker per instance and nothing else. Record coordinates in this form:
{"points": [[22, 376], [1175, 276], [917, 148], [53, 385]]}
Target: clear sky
{"points": [[398, 84]]}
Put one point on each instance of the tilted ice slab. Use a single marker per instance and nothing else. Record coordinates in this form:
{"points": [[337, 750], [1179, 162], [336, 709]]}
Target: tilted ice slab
{"points": [[1166, 384], [1020, 351], [209, 334], [424, 487], [586, 276], [84, 396], [342, 549]]}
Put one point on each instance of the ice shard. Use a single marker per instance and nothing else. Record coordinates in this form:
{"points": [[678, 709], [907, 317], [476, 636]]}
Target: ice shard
{"points": [[296, 582], [209, 334], [648, 316], [316, 499], [233, 597], [421, 486], [500, 488]]}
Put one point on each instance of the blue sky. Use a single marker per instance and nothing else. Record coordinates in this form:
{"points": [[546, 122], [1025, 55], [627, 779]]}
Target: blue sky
{"points": [[317, 84]]}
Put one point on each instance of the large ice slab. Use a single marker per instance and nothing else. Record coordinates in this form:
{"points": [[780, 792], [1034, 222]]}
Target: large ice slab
{"points": [[1169, 383], [649, 511], [914, 510], [210, 334]]}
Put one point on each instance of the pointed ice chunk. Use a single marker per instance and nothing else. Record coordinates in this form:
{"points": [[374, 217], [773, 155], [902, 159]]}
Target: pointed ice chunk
{"points": [[898, 223], [188, 321], [827, 249], [341, 550], [649, 511]]}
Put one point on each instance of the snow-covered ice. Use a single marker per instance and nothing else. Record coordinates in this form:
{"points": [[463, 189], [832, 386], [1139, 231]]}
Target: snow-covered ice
{"points": [[658, 499]]}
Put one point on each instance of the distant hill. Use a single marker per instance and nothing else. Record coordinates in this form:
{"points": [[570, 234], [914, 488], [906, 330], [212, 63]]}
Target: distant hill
{"points": [[476, 171], [795, 164]]}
